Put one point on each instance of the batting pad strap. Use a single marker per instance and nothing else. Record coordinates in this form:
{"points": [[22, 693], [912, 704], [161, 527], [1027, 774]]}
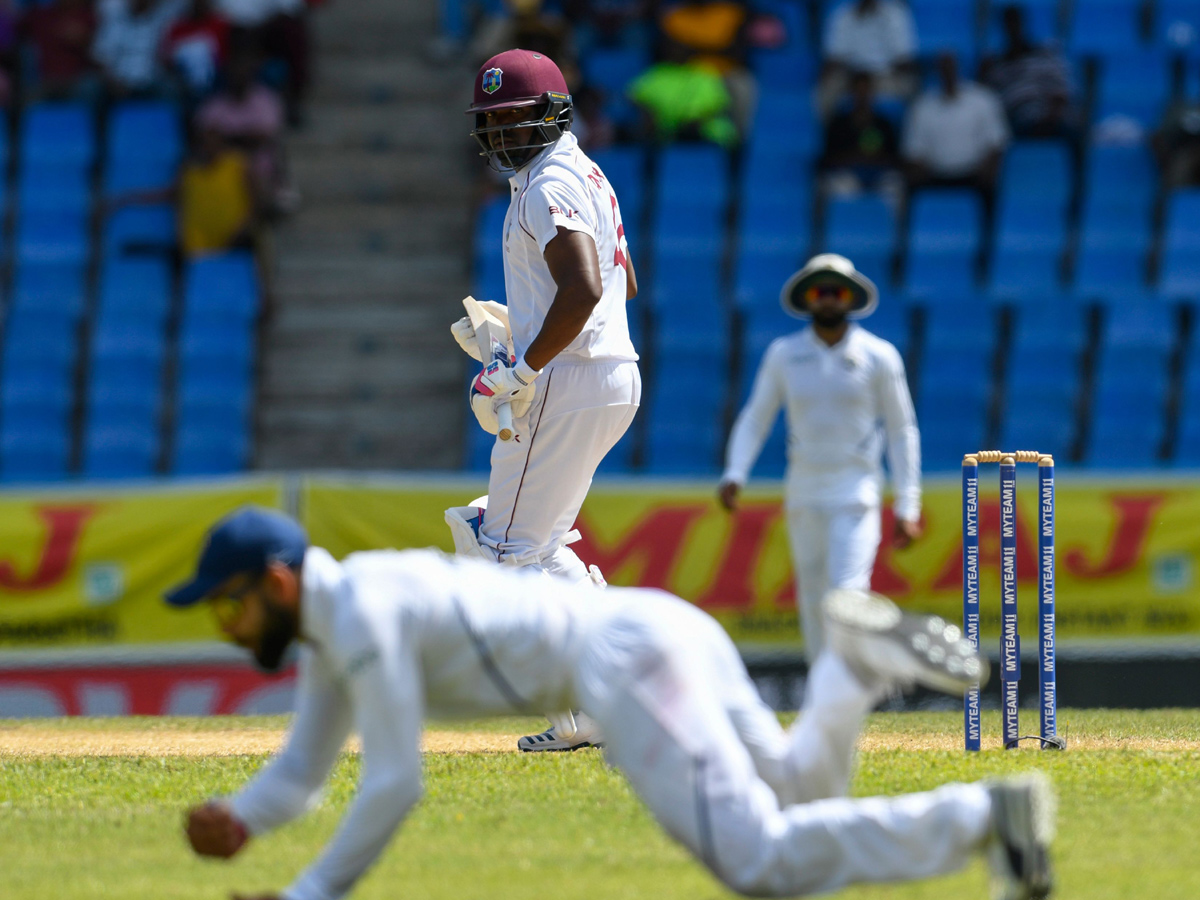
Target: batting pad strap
{"points": [[464, 522]]}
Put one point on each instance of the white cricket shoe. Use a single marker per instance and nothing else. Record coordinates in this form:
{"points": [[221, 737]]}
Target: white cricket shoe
{"points": [[587, 734], [1018, 849], [884, 646]]}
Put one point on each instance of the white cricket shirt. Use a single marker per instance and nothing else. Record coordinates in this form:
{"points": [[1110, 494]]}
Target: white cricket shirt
{"points": [[562, 187], [390, 637], [954, 135], [837, 398], [873, 42]]}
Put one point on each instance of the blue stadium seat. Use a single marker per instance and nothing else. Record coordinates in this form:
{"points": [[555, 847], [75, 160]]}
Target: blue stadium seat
{"points": [[611, 69], [133, 176], [59, 239], [222, 285], [945, 25], [29, 453], [761, 273], [1057, 325], [680, 447], [1151, 326], [785, 122], [1180, 275], [489, 236], [891, 321], [860, 227], [953, 330], [1121, 177], [50, 288], [1136, 85], [624, 167], [1036, 175], [136, 287], [146, 131], [140, 229], [692, 177], [1177, 25], [121, 450], [42, 386], [59, 134], [945, 438], [216, 346], [124, 338], [1113, 245], [50, 191], [41, 337], [1028, 251], [1053, 432], [204, 451], [1118, 442], [943, 243], [1102, 27]]}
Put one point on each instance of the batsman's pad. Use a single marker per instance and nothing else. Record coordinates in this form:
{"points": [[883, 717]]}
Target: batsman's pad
{"points": [[464, 522]]}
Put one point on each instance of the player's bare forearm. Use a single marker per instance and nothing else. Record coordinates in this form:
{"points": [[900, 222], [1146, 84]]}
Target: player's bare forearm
{"points": [[575, 268]]}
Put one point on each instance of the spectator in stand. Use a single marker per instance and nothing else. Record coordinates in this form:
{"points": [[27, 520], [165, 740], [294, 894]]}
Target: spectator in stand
{"points": [[281, 29], [955, 135], [875, 36], [1034, 82], [218, 201], [606, 21], [128, 40], [525, 24], [591, 125], [714, 34], [250, 116], [685, 101], [8, 50], [1177, 145], [862, 150], [197, 46], [61, 34]]}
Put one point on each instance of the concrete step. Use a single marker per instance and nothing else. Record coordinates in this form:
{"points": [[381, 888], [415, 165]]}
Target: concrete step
{"points": [[382, 80], [356, 228], [360, 437], [369, 274], [426, 127], [351, 175]]}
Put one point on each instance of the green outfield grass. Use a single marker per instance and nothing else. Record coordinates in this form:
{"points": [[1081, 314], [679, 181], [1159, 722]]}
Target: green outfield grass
{"points": [[495, 826]]}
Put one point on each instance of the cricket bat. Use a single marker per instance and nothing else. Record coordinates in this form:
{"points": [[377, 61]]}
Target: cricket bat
{"points": [[492, 337]]}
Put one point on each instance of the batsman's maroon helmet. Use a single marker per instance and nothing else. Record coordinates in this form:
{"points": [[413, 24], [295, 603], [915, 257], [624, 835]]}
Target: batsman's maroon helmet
{"points": [[518, 79]]}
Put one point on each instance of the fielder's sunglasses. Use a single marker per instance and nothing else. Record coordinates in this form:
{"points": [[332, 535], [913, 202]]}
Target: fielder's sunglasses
{"points": [[839, 292]]}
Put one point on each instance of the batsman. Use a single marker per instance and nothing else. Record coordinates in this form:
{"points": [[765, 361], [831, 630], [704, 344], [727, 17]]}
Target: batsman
{"points": [[571, 385]]}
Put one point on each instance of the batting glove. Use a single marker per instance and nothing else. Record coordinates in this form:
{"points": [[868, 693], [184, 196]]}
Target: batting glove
{"points": [[497, 384], [464, 331]]}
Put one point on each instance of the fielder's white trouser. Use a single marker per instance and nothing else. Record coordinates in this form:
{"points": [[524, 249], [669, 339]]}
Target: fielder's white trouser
{"points": [[763, 809], [539, 481], [831, 548]]}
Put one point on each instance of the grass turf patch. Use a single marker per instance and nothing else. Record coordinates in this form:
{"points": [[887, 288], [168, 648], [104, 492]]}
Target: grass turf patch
{"points": [[504, 825]]}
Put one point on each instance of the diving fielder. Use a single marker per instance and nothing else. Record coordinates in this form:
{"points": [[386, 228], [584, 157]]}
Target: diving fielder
{"points": [[386, 637], [838, 384], [574, 385]]}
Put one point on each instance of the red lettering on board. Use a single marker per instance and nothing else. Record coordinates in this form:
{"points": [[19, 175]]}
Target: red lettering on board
{"points": [[64, 527]]}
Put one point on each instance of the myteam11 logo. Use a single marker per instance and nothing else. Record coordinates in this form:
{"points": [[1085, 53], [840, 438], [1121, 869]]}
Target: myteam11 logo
{"points": [[491, 80]]}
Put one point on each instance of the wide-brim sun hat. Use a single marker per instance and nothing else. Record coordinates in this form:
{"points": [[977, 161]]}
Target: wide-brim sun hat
{"points": [[829, 268]]}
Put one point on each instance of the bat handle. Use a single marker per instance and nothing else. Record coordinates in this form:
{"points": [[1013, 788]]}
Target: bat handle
{"points": [[504, 417]]}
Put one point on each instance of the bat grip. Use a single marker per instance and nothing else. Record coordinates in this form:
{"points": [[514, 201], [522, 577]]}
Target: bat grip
{"points": [[504, 417]]}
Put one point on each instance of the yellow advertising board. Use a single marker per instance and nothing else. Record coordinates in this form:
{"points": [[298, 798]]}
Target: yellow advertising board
{"points": [[89, 565], [1127, 550]]}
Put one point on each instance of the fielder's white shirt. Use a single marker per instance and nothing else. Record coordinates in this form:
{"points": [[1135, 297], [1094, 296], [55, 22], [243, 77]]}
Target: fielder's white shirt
{"points": [[562, 187], [954, 135], [836, 399], [389, 637], [874, 42]]}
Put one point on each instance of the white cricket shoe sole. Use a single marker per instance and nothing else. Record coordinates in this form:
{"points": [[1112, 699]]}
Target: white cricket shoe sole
{"points": [[884, 645], [587, 734], [1023, 808]]}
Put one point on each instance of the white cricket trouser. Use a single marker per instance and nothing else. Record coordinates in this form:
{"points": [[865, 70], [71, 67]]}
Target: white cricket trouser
{"points": [[764, 810], [539, 480], [831, 548]]}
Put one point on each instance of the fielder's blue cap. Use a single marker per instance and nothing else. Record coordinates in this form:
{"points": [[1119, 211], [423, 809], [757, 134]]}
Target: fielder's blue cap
{"points": [[245, 541]]}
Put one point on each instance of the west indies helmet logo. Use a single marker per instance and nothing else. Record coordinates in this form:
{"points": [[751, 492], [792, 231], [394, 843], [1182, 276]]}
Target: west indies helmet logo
{"points": [[491, 80]]}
